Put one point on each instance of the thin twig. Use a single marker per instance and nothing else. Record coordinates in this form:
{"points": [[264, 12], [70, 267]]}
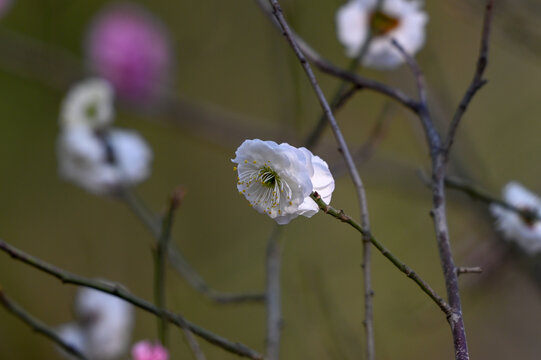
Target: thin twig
{"points": [[478, 194], [344, 92], [193, 344], [329, 68], [468, 270], [425, 287], [477, 81], [119, 291], [369, 326], [37, 325], [177, 260], [274, 300], [160, 260]]}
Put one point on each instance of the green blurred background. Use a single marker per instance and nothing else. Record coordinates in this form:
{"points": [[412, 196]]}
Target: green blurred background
{"points": [[236, 78]]}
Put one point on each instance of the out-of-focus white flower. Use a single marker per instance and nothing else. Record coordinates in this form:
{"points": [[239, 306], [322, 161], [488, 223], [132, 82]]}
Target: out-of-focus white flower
{"points": [[103, 162], [526, 233], [277, 179], [88, 103], [102, 328], [401, 20], [145, 350]]}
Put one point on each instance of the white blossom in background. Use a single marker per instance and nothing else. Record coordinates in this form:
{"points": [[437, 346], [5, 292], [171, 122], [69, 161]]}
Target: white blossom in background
{"points": [[102, 328], [277, 179], [88, 103], [103, 163], [402, 20], [514, 227]]}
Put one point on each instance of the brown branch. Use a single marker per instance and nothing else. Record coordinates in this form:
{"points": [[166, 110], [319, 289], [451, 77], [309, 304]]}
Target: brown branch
{"points": [[193, 344], [468, 270], [477, 81], [359, 186], [329, 68], [119, 291], [37, 325], [274, 306], [177, 260]]}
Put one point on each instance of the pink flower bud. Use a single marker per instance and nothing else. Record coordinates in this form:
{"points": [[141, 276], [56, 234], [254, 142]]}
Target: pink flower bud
{"points": [[129, 47], [145, 350]]}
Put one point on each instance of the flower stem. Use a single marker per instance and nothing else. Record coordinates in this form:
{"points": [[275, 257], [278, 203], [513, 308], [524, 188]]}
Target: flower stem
{"points": [[160, 261]]}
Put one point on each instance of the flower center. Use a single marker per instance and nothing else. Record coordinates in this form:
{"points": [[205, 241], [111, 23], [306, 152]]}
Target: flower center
{"points": [[263, 187], [381, 23], [529, 216], [268, 177]]}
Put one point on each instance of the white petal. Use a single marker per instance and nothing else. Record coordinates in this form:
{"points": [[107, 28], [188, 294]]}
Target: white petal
{"points": [[352, 29], [88, 103], [107, 321]]}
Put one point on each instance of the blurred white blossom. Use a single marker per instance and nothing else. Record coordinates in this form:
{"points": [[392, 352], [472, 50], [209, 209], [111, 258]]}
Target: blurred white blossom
{"points": [[525, 232], [103, 325], [401, 20], [103, 163], [277, 179], [88, 103]]}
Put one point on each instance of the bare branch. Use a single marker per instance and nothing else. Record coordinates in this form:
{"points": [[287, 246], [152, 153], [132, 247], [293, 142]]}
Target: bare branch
{"points": [[477, 81], [37, 325], [425, 287], [468, 270], [119, 291], [274, 306], [359, 186], [177, 260]]}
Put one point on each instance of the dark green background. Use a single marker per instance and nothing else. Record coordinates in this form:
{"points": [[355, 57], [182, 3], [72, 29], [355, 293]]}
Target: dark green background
{"points": [[237, 69]]}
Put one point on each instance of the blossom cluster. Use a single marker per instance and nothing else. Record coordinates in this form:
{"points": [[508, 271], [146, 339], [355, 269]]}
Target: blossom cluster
{"points": [[91, 153]]}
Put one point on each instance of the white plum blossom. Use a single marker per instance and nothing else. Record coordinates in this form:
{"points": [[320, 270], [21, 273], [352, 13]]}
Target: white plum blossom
{"points": [[401, 20], [103, 162], [277, 179], [525, 232], [102, 328], [88, 103]]}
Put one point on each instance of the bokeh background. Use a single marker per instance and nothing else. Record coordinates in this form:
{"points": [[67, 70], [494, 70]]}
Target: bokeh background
{"points": [[234, 77]]}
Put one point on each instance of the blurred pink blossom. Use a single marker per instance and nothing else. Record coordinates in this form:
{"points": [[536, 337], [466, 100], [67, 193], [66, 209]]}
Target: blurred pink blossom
{"points": [[129, 47], [145, 350], [4, 6]]}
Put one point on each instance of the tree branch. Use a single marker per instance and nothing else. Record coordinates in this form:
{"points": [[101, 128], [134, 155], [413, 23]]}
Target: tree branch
{"points": [[177, 260], [274, 306], [359, 186], [409, 272], [477, 81], [119, 291], [37, 325]]}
